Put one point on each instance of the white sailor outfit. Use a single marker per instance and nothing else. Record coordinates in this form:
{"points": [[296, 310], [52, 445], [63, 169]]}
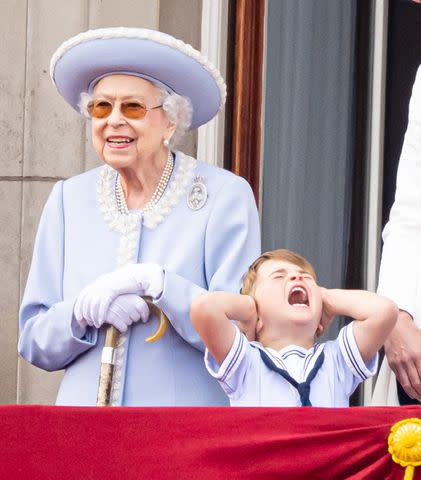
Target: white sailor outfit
{"points": [[248, 381]]}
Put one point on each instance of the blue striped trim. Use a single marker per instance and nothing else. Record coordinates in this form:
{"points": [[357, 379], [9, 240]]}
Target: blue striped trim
{"points": [[234, 358], [293, 352], [351, 355], [310, 356], [274, 358], [307, 360], [318, 348]]}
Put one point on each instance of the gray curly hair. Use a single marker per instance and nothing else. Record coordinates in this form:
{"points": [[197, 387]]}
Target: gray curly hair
{"points": [[177, 108]]}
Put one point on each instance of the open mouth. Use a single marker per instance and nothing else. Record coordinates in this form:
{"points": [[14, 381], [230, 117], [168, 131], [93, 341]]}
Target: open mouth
{"points": [[119, 140], [298, 297]]}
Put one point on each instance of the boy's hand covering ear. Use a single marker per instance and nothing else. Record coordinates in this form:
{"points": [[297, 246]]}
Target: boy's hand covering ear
{"points": [[251, 325], [327, 310]]}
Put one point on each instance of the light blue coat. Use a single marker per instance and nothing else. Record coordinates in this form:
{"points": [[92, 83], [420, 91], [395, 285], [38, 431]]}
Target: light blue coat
{"points": [[82, 235]]}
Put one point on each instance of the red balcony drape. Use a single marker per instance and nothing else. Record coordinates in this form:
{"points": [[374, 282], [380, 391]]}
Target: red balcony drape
{"points": [[198, 443]]}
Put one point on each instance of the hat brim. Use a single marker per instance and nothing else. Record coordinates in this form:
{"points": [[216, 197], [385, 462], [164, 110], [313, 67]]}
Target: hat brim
{"points": [[178, 66]]}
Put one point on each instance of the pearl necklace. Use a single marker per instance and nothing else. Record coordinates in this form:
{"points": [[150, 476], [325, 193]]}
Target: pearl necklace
{"points": [[157, 194]]}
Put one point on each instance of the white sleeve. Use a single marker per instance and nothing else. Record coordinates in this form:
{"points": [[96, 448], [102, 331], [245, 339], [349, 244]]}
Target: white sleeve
{"points": [[401, 257], [351, 367], [232, 372]]}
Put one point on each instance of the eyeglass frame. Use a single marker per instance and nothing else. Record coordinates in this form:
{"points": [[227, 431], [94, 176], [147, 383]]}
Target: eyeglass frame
{"points": [[91, 104]]}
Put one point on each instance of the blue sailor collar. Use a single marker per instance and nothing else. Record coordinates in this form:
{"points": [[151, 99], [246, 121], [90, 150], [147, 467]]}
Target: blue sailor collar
{"points": [[280, 357]]}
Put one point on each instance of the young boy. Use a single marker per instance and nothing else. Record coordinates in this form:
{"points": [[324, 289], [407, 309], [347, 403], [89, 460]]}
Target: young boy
{"points": [[282, 307]]}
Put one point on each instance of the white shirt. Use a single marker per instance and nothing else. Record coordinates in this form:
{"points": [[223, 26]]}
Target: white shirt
{"points": [[249, 382], [400, 267]]}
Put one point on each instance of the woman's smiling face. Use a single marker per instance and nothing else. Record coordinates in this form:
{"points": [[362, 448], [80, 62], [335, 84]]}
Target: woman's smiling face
{"points": [[123, 142]]}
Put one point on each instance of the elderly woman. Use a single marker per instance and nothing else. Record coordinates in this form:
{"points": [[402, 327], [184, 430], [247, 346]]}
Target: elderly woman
{"points": [[151, 222]]}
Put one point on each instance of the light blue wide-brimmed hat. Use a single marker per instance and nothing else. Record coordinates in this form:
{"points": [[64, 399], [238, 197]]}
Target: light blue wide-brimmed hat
{"points": [[83, 60]]}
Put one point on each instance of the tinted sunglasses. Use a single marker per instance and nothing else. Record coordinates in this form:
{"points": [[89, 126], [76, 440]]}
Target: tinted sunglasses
{"points": [[103, 109]]}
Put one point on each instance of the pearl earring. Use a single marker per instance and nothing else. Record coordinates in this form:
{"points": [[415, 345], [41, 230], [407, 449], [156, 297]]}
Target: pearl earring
{"points": [[166, 143]]}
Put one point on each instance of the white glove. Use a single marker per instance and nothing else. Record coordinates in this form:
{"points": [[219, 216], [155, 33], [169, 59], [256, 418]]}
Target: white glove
{"points": [[92, 304], [123, 311]]}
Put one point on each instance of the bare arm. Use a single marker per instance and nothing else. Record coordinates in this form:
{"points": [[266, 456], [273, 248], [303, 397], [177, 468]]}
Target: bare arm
{"points": [[376, 316], [211, 315], [403, 352]]}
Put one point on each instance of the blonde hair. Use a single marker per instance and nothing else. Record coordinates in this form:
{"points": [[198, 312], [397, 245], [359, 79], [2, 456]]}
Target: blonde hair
{"points": [[282, 254]]}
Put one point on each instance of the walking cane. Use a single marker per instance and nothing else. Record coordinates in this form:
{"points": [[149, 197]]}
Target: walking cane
{"points": [[109, 353]]}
